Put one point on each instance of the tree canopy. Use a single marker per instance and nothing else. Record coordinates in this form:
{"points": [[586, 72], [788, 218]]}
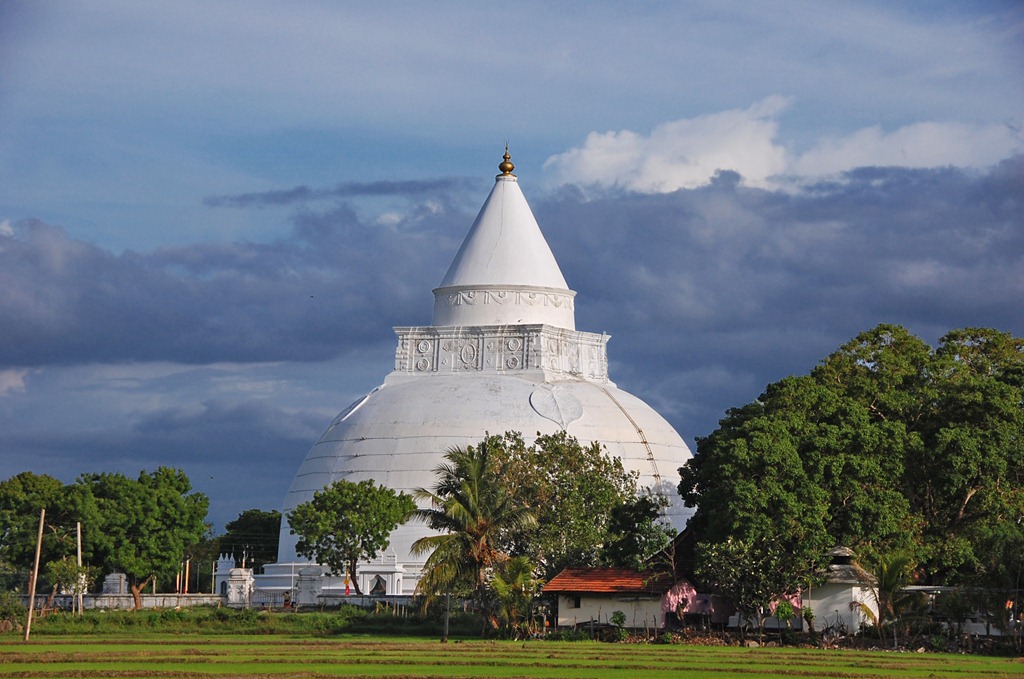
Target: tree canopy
{"points": [[142, 527], [21, 498], [347, 522], [255, 533], [887, 446], [575, 491], [556, 503], [474, 507]]}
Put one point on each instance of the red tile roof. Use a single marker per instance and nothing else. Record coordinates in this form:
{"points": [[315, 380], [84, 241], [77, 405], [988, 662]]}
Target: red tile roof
{"points": [[609, 581]]}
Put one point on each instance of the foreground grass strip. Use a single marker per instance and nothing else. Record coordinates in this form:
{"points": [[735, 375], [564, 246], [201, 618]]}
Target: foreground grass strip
{"points": [[244, 656]]}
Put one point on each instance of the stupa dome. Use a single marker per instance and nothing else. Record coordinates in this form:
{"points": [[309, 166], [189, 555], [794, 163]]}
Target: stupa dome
{"points": [[501, 355]]}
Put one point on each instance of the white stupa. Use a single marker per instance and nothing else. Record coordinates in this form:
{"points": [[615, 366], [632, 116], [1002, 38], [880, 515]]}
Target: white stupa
{"points": [[502, 354]]}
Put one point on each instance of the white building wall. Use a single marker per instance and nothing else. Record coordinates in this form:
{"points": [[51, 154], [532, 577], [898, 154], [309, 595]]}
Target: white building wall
{"points": [[839, 602], [640, 612]]}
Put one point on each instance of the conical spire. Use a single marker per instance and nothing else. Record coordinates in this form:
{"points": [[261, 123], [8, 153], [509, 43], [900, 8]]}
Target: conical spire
{"points": [[504, 273]]}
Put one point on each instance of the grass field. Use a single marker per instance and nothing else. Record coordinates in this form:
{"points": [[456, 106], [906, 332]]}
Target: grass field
{"points": [[159, 655]]}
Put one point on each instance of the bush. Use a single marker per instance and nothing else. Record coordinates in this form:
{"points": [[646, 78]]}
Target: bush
{"points": [[569, 634], [346, 619], [11, 608], [617, 634]]}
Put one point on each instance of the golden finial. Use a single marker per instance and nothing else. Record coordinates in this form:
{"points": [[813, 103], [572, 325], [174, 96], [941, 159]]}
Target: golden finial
{"points": [[506, 165]]}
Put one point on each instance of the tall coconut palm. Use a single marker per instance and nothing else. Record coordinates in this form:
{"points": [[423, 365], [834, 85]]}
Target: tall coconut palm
{"points": [[472, 506]]}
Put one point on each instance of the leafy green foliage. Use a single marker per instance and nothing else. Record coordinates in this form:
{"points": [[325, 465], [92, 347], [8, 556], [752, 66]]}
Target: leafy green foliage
{"points": [[11, 608], [65, 575], [751, 574], [785, 613], [346, 522], [503, 506], [575, 491], [142, 527], [21, 499], [473, 506], [255, 533], [636, 531], [888, 447], [514, 588]]}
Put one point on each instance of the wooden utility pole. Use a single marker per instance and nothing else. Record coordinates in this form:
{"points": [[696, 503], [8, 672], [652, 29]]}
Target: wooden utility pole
{"points": [[35, 575]]}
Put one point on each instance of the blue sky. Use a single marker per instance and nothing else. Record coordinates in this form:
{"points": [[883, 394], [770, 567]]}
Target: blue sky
{"points": [[212, 214]]}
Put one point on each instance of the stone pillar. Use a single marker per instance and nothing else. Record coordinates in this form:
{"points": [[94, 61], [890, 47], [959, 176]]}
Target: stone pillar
{"points": [[115, 583], [240, 587], [308, 586]]}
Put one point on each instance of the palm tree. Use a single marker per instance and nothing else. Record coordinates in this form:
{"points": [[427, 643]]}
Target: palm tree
{"points": [[472, 507], [514, 588], [891, 574]]}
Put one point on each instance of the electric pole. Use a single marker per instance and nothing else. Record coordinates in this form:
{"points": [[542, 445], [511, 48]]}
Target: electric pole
{"points": [[35, 574]]}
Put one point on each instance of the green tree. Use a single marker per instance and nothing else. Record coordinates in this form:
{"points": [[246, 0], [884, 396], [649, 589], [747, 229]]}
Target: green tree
{"points": [[21, 499], [637, 530], [968, 485], [573, 490], [346, 522], [751, 574], [514, 588], [255, 533], [756, 497], [66, 576], [890, 576], [142, 527], [887, 446], [472, 506]]}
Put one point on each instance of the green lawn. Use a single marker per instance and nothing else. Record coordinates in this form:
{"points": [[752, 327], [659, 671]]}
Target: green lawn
{"points": [[158, 655]]}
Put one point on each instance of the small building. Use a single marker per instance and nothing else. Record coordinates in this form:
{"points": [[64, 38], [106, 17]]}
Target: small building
{"points": [[839, 603], [592, 595], [652, 599], [660, 598]]}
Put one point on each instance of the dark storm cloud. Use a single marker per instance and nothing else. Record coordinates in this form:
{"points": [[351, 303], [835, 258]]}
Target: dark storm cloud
{"points": [[181, 436], [304, 194], [333, 285], [240, 453]]}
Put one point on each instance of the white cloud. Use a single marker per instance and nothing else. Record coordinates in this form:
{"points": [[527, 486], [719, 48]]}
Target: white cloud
{"points": [[687, 153], [12, 380], [680, 154], [919, 145]]}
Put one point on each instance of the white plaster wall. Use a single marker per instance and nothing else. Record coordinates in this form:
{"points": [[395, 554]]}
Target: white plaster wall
{"points": [[834, 601], [640, 612]]}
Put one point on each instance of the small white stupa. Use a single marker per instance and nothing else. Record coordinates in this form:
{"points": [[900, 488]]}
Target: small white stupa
{"points": [[502, 354]]}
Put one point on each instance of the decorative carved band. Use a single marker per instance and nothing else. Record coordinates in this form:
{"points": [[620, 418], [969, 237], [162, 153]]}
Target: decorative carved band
{"points": [[502, 348], [486, 295]]}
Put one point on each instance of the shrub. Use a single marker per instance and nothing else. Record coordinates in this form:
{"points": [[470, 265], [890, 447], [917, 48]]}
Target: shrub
{"points": [[618, 634], [11, 608], [569, 634]]}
